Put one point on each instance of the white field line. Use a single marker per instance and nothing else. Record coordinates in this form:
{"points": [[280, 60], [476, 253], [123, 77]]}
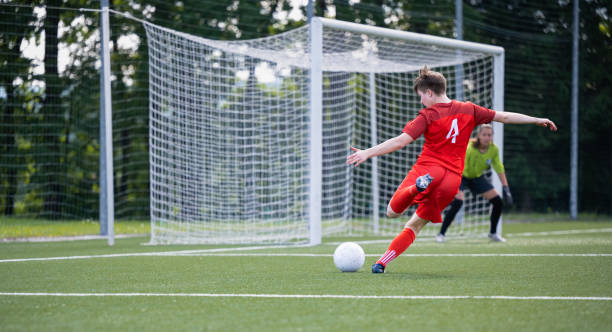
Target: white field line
{"points": [[403, 255], [427, 238], [216, 252], [321, 296], [526, 234]]}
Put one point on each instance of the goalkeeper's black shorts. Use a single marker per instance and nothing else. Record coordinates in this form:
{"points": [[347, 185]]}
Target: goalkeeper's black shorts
{"points": [[477, 185]]}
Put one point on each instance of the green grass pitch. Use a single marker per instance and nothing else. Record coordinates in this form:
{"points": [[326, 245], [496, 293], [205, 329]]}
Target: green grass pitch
{"points": [[558, 275]]}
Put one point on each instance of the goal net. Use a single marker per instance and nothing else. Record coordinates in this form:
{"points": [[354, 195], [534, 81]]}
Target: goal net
{"points": [[249, 139]]}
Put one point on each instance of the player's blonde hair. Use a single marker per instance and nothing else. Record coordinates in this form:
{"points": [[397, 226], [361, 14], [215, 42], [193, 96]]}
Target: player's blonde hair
{"points": [[432, 80], [476, 141]]}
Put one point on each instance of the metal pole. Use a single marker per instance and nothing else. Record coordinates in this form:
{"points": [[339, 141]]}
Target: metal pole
{"points": [[309, 11], [316, 130], [459, 68], [459, 77], [498, 127], [459, 18], [574, 140], [107, 203]]}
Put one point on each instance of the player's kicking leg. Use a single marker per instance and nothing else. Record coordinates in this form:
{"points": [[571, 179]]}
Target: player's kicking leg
{"points": [[400, 243], [438, 197], [403, 198]]}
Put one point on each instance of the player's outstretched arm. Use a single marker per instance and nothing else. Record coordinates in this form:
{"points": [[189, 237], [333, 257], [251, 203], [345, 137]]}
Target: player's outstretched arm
{"points": [[518, 118], [390, 145]]}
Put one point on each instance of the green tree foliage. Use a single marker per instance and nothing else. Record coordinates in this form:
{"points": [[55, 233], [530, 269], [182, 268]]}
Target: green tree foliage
{"points": [[536, 83], [15, 26], [595, 103], [537, 38]]}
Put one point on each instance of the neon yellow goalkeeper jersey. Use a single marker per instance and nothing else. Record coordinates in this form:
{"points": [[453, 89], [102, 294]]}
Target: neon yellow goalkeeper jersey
{"points": [[476, 163]]}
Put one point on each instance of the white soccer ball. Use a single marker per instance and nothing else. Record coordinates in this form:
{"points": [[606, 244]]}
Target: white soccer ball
{"points": [[349, 257]]}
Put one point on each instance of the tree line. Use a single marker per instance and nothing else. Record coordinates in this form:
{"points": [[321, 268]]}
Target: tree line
{"points": [[49, 101]]}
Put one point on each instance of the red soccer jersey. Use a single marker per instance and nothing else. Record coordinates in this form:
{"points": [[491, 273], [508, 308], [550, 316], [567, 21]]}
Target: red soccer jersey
{"points": [[447, 128]]}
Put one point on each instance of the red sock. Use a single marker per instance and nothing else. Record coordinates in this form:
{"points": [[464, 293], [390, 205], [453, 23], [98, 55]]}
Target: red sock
{"points": [[402, 199], [398, 246]]}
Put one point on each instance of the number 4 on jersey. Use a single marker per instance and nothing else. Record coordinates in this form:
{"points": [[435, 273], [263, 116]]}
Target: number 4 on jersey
{"points": [[454, 131]]}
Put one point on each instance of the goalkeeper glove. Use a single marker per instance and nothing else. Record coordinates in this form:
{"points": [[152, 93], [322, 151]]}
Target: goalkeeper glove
{"points": [[507, 195]]}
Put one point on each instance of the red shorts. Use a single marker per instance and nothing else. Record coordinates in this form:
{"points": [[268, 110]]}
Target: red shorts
{"points": [[435, 198]]}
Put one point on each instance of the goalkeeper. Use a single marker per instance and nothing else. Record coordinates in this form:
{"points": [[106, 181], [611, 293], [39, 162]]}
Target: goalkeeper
{"points": [[481, 155]]}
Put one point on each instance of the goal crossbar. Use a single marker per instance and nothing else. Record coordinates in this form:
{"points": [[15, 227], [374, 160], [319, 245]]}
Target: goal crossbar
{"points": [[410, 36]]}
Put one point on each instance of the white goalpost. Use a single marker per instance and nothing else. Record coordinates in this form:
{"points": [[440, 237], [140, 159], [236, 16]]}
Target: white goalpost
{"points": [[249, 138]]}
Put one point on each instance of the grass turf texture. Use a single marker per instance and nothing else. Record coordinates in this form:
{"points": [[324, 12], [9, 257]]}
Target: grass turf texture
{"points": [[410, 274], [23, 228]]}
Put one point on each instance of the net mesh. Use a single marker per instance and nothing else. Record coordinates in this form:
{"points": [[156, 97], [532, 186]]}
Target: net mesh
{"points": [[229, 136]]}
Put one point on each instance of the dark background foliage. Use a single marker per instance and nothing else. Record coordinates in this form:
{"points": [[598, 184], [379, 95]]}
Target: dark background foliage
{"points": [[49, 106]]}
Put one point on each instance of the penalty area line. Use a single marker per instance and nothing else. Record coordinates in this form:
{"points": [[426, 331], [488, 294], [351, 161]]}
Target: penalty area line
{"points": [[221, 253], [565, 232], [322, 296], [428, 238]]}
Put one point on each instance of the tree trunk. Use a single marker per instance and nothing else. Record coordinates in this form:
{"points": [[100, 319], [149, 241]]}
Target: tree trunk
{"points": [[51, 164], [124, 136], [9, 142], [12, 65]]}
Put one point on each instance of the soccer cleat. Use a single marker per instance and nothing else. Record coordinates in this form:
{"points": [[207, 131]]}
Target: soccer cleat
{"points": [[423, 181], [378, 268], [440, 238], [496, 238]]}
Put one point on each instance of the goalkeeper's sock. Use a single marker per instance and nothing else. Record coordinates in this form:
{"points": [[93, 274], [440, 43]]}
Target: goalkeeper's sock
{"points": [[455, 205], [397, 246], [498, 205], [403, 198]]}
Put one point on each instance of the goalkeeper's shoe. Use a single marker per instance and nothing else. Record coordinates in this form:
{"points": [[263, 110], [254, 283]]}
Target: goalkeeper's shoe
{"points": [[378, 268], [423, 181], [496, 237]]}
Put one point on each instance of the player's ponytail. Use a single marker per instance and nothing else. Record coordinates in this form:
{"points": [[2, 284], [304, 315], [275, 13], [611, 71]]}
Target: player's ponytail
{"points": [[423, 72], [429, 79]]}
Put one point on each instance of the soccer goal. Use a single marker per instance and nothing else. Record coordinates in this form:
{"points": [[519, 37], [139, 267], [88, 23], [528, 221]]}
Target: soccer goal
{"points": [[249, 138]]}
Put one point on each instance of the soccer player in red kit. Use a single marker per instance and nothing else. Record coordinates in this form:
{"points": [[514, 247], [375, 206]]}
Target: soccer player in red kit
{"points": [[434, 179]]}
